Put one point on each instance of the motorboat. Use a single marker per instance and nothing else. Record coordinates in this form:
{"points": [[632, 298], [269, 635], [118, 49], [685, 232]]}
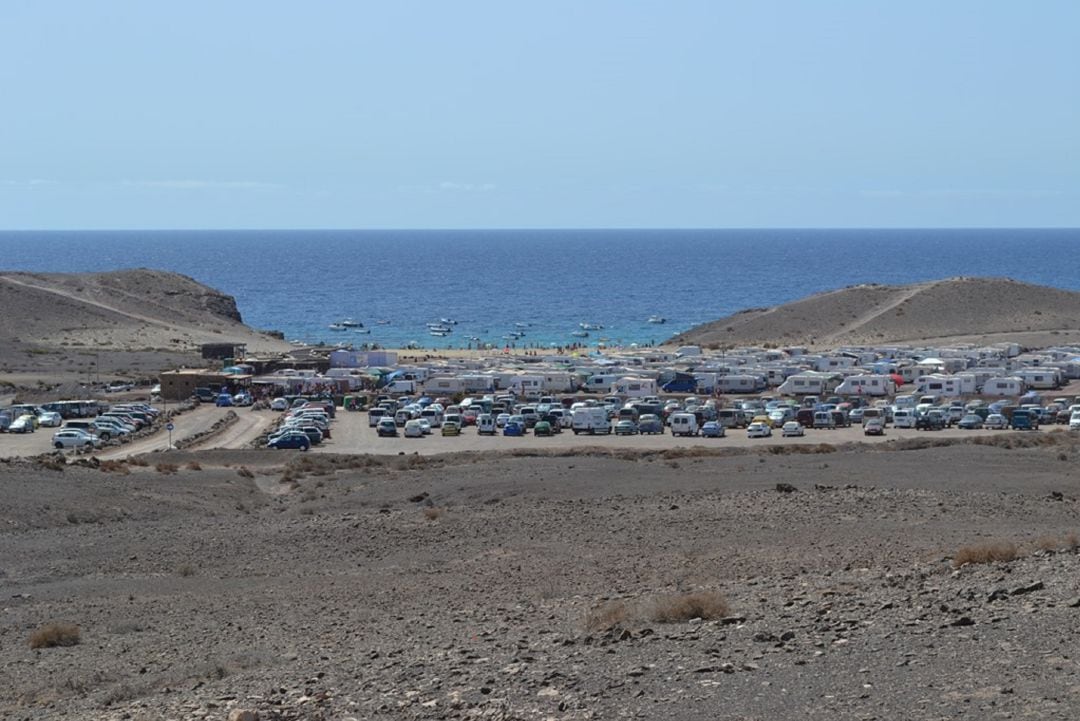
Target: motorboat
{"points": [[657, 319], [350, 323], [580, 334], [591, 326], [337, 326]]}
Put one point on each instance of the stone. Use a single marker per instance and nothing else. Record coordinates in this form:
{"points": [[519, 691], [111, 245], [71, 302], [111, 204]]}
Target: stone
{"points": [[1030, 588], [243, 714], [785, 488]]}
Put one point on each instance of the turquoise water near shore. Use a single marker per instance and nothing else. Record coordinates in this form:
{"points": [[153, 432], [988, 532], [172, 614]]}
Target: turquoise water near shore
{"points": [[544, 283]]}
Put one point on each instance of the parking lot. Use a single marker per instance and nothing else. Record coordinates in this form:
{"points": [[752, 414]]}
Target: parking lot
{"points": [[351, 434]]}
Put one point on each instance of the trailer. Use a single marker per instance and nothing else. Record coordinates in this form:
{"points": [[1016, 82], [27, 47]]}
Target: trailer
{"points": [[867, 384]]}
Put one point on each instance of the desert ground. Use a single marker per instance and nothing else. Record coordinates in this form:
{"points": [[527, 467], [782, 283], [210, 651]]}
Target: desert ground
{"points": [[601, 581]]}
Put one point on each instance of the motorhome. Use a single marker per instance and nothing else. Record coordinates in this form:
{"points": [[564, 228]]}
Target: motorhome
{"points": [[869, 384], [809, 383], [591, 420]]}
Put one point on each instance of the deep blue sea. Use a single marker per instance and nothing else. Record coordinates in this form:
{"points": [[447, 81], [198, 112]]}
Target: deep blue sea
{"points": [[549, 281]]}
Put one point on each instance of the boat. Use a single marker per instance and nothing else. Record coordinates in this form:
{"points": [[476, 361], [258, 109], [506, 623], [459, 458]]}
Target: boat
{"points": [[337, 326], [580, 334], [657, 319], [382, 322], [521, 325], [447, 321], [363, 330], [350, 323], [439, 333], [438, 328], [591, 326]]}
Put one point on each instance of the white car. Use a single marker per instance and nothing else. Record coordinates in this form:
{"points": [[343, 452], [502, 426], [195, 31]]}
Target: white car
{"points": [[414, 429], [74, 438], [996, 421], [792, 428], [22, 424], [758, 430], [1074, 421], [425, 425], [279, 404], [49, 419]]}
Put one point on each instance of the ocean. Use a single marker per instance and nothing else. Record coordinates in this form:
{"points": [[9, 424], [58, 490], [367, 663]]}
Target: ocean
{"points": [[542, 283]]}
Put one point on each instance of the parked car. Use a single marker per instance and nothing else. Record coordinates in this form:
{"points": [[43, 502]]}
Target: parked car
{"points": [[712, 429], [626, 428], [543, 428], [23, 424], [792, 429], [651, 424], [451, 428], [118, 387], [414, 429], [758, 430], [930, 421], [501, 420], [874, 427], [279, 404], [425, 425], [290, 439], [513, 428], [50, 419], [1074, 421], [386, 427], [970, 422], [74, 438], [996, 421]]}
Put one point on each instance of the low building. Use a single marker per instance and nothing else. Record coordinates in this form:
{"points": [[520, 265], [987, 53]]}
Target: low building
{"points": [[181, 384]]}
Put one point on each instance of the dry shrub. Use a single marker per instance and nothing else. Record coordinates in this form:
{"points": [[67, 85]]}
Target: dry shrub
{"points": [[185, 570], [991, 552], [433, 514], [167, 468], [193, 466], [55, 634], [1072, 541], [1068, 542], [137, 461], [613, 614], [706, 605], [243, 472], [119, 467]]}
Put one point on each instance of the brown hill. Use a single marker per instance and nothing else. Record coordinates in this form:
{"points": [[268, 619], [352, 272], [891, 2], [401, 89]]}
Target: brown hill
{"points": [[105, 322], [956, 309]]}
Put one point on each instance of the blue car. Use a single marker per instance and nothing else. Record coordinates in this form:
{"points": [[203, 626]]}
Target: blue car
{"points": [[224, 399], [513, 428], [295, 440]]}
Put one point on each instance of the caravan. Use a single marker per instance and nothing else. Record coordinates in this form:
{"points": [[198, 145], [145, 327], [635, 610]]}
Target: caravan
{"points": [[870, 384]]}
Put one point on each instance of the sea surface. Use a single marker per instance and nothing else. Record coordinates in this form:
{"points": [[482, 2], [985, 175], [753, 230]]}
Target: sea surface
{"points": [[543, 283]]}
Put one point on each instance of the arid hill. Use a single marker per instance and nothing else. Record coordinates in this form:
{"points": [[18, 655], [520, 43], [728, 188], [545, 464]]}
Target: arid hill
{"points": [[956, 309], [115, 320]]}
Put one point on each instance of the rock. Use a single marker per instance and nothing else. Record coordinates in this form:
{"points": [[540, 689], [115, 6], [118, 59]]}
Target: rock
{"points": [[243, 714], [787, 636], [785, 488], [732, 620], [963, 621], [1073, 602], [1037, 586]]}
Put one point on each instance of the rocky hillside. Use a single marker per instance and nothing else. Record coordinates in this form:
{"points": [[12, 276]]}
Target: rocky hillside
{"points": [[120, 312], [976, 309]]}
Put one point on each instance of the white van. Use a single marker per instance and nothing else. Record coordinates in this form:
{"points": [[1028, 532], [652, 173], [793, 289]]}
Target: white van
{"points": [[683, 424], [433, 415], [903, 418], [485, 424], [590, 420]]}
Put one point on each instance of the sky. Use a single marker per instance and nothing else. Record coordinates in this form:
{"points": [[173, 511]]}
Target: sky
{"points": [[553, 114]]}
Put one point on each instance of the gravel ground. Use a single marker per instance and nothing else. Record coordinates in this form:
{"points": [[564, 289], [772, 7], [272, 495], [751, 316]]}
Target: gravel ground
{"points": [[501, 586]]}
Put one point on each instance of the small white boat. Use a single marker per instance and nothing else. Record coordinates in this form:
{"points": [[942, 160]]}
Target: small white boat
{"points": [[438, 328], [447, 321], [350, 323], [382, 322], [657, 319], [337, 326], [363, 330], [521, 325], [591, 326], [580, 334], [439, 333]]}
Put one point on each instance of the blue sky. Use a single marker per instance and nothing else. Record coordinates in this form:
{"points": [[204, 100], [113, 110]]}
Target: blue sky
{"points": [[339, 114]]}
